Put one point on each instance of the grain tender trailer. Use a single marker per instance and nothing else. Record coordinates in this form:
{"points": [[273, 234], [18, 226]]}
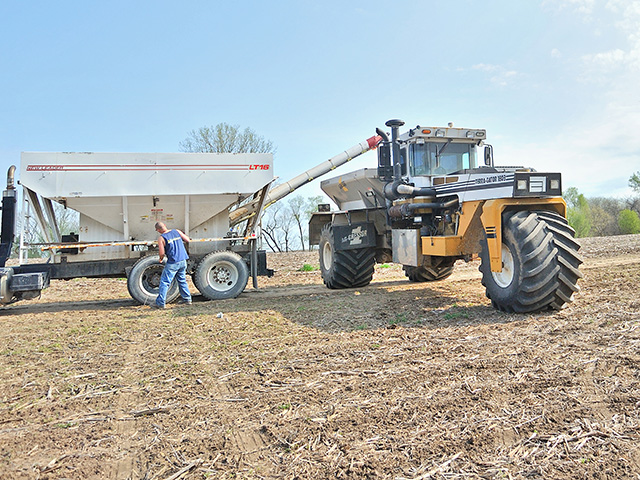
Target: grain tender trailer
{"points": [[119, 197], [431, 202], [217, 199]]}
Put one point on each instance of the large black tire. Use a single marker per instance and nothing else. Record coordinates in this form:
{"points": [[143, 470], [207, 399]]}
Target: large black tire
{"points": [[431, 273], [540, 263], [221, 275], [144, 280], [344, 268]]}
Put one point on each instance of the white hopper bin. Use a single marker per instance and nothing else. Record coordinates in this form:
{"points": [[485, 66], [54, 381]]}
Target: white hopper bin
{"points": [[120, 196]]}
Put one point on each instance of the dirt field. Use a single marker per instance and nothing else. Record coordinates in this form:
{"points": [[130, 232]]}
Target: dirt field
{"points": [[295, 381]]}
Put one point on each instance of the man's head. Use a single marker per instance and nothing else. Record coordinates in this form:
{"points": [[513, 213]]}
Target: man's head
{"points": [[161, 227]]}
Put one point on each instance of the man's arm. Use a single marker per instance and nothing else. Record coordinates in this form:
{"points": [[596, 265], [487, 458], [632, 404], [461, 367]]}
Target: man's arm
{"points": [[161, 247], [183, 236]]}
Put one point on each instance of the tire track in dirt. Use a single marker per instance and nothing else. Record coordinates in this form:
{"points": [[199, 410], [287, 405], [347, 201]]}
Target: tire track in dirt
{"points": [[249, 441], [125, 425], [600, 262]]}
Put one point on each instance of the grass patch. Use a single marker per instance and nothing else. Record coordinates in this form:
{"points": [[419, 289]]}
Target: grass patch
{"points": [[400, 318], [456, 315]]}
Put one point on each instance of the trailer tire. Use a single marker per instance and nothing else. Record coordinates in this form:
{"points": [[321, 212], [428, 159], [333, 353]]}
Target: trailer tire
{"points": [[144, 280], [431, 273], [221, 275], [344, 268], [540, 263]]}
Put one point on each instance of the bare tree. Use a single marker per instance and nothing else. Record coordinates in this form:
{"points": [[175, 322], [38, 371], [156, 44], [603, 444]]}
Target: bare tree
{"points": [[284, 226], [225, 138], [68, 221], [604, 214], [311, 205], [271, 227], [633, 203], [297, 206]]}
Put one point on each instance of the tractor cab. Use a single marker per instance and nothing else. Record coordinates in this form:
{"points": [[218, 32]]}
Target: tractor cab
{"points": [[440, 158], [435, 151]]}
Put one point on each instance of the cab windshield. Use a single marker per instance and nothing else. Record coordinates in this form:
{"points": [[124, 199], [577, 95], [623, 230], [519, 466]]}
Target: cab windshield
{"points": [[441, 158]]}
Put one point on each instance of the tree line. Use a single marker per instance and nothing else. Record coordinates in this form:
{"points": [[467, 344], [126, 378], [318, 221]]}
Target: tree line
{"points": [[604, 216]]}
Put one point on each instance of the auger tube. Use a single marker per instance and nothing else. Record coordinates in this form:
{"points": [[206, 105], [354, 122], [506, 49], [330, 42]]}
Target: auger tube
{"points": [[284, 189]]}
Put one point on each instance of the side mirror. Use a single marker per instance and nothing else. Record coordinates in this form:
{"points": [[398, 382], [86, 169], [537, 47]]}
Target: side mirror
{"points": [[488, 155]]}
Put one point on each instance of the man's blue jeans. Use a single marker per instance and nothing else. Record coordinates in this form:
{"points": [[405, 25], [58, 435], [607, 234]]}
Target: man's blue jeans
{"points": [[171, 270]]}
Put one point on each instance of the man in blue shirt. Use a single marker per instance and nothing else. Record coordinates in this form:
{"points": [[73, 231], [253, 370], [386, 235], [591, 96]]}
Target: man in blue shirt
{"points": [[170, 245]]}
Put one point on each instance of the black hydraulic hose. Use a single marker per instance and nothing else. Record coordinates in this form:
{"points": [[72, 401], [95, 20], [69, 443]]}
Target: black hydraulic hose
{"points": [[398, 189], [420, 192], [391, 190], [447, 204], [407, 209]]}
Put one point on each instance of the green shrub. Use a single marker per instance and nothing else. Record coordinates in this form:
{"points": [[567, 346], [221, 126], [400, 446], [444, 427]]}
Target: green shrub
{"points": [[629, 222]]}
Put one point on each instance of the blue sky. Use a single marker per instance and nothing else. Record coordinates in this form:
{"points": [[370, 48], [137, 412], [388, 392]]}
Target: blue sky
{"points": [[554, 82]]}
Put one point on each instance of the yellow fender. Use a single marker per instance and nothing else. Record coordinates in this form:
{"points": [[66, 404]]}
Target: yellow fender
{"points": [[491, 218]]}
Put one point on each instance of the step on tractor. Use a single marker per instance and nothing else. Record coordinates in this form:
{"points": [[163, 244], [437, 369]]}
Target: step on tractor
{"points": [[430, 203]]}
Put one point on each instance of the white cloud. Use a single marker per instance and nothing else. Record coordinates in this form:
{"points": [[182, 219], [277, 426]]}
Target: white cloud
{"points": [[627, 22], [600, 66], [499, 75], [583, 7]]}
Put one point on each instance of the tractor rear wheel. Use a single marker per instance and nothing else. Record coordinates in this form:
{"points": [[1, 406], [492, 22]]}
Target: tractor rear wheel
{"points": [[344, 268], [539, 263], [143, 281], [431, 273], [221, 275]]}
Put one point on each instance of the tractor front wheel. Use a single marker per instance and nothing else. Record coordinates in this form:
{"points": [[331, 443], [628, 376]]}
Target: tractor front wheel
{"points": [[539, 263]]}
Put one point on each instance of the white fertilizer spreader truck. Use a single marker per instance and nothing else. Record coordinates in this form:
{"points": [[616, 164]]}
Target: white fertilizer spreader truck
{"points": [[430, 203]]}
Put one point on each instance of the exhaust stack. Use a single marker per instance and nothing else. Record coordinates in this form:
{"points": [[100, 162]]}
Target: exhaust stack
{"points": [[8, 217], [395, 125]]}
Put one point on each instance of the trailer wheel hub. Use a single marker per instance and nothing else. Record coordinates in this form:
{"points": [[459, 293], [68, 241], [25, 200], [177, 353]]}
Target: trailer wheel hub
{"points": [[223, 276], [151, 277]]}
